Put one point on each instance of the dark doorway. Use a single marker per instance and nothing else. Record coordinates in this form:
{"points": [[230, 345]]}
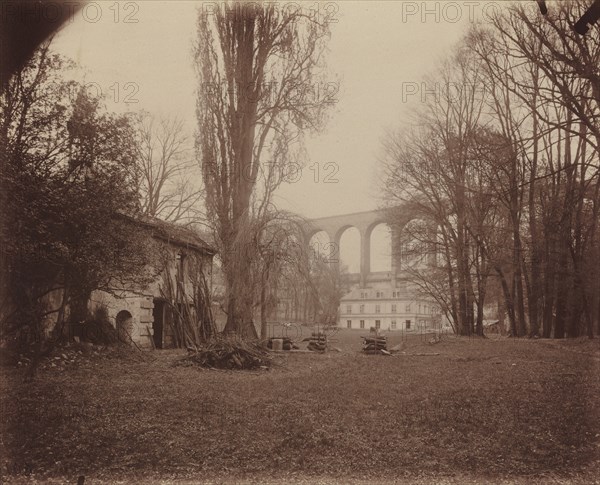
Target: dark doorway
{"points": [[158, 313]]}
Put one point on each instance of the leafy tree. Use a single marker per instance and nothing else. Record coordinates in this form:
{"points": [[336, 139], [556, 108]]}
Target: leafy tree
{"points": [[66, 225]]}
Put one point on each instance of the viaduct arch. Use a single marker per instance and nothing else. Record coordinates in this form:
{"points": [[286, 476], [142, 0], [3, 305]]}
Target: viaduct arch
{"points": [[365, 222]]}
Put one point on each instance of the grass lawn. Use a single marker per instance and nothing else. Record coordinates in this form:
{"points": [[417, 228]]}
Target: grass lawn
{"points": [[480, 411]]}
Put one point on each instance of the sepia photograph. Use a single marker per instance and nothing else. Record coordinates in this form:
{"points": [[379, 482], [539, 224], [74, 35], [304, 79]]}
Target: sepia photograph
{"points": [[300, 242]]}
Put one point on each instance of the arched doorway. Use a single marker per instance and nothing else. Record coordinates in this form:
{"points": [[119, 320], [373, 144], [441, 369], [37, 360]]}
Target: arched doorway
{"points": [[124, 321]]}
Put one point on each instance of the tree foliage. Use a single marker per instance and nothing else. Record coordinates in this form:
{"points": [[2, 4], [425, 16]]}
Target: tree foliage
{"points": [[66, 168]]}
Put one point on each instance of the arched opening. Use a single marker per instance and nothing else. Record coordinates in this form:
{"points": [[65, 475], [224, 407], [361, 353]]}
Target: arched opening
{"points": [[350, 250], [381, 248], [124, 321]]}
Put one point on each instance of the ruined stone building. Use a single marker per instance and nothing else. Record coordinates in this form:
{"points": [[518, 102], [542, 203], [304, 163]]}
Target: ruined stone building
{"points": [[144, 314]]}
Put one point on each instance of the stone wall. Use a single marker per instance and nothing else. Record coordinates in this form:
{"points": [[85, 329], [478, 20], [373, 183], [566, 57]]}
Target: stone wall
{"points": [[139, 306]]}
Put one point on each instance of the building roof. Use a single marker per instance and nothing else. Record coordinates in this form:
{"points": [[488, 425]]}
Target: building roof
{"points": [[173, 233], [177, 234]]}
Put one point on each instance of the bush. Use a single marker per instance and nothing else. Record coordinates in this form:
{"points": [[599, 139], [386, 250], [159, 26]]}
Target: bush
{"points": [[98, 329]]}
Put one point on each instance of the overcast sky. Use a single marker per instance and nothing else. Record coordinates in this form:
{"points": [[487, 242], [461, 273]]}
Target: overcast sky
{"points": [[139, 55]]}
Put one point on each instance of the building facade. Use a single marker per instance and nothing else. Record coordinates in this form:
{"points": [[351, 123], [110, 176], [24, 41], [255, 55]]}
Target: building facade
{"points": [[387, 309], [145, 315]]}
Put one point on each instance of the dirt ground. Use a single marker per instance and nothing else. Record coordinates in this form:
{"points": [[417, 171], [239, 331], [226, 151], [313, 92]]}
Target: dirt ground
{"points": [[458, 411]]}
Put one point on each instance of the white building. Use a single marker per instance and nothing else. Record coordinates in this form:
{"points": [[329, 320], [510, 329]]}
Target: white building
{"points": [[388, 309]]}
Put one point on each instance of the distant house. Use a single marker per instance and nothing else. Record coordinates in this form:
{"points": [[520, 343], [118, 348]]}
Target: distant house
{"points": [[386, 308], [145, 314]]}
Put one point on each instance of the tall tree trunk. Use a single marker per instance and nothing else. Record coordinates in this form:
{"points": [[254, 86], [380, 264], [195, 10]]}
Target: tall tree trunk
{"points": [[239, 310], [481, 293], [515, 219], [533, 294], [263, 310], [465, 323], [549, 286], [518, 287], [509, 303], [562, 295], [451, 279]]}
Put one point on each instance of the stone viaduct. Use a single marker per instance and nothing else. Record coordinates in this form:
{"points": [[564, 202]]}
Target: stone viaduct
{"points": [[365, 222]]}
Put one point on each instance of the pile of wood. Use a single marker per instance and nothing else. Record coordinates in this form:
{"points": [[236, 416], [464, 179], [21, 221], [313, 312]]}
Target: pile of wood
{"points": [[228, 353], [375, 344], [317, 342], [288, 344]]}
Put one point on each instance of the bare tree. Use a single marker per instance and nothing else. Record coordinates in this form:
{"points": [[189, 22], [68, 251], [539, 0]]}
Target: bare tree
{"points": [[166, 171], [511, 177], [280, 252], [311, 284], [543, 79], [257, 67], [431, 169]]}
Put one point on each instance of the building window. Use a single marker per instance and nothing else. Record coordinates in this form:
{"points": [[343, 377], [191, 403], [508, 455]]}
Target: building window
{"points": [[348, 308], [377, 324], [378, 294], [377, 308], [393, 327], [349, 323], [407, 324], [362, 309], [362, 324], [394, 294], [393, 308], [408, 307], [363, 295]]}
